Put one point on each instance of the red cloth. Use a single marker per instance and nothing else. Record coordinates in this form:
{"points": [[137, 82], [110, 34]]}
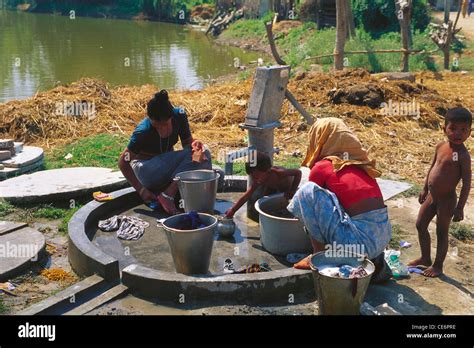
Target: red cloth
{"points": [[350, 184]]}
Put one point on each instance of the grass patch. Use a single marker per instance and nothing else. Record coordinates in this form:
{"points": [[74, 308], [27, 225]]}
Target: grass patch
{"points": [[6, 209], [248, 28], [245, 75], [413, 191], [306, 41], [466, 59], [3, 306], [397, 234], [49, 212], [101, 150], [63, 226], [462, 232]]}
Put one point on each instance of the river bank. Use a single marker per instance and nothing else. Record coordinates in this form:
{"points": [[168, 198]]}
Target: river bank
{"points": [[172, 12]]}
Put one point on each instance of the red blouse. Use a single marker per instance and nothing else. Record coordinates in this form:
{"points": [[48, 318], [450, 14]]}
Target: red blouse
{"points": [[350, 184]]}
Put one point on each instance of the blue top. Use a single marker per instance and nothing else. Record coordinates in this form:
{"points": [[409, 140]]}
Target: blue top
{"points": [[146, 138]]}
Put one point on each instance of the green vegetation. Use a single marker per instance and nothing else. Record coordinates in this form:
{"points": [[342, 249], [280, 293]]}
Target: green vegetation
{"points": [[3, 307], [306, 41], [248, 28], [413, 191], [68, 215], [397, 234], [49, 212], [378, 16], [462, 231], [101, 150], [163, 10], [60, 211], [5, 209]]}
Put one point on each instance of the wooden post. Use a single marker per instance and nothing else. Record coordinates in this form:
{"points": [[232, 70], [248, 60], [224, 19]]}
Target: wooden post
{"points": [[341, 34], [404, 10]]}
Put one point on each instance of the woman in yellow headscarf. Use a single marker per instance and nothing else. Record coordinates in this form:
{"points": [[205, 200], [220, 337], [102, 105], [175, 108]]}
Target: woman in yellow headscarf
{"points": [[342, 203]]}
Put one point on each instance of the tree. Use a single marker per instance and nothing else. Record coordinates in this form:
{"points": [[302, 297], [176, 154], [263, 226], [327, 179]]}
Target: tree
{"points": [[444, 35]]}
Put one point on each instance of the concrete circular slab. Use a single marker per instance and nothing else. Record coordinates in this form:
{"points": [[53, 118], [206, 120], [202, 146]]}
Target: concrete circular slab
{"points": [[28, 155], [58, 184], [18, 250]]}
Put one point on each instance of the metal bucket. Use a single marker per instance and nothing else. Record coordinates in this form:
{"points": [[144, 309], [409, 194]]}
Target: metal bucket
{"points": [[280, 235], [198, 189], [191, 249], [340, 296]]}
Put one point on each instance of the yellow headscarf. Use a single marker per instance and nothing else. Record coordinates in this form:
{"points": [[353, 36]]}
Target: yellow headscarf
{"points": [[330, 138]]}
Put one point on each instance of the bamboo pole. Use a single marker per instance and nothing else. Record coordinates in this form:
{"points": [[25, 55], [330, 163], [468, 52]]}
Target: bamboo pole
{"points": [[375, 51]]}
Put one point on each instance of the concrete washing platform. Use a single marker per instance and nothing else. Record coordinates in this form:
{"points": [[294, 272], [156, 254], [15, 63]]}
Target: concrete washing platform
{"points": [[146, 267], [60, 184]]}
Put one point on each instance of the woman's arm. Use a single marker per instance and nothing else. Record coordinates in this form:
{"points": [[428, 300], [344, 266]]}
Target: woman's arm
{"points": [[185, 133]]}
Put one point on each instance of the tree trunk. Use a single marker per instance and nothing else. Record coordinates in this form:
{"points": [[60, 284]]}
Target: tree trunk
{"points": [[446, 54], [447, 8], [447, 47], [341, 34]]}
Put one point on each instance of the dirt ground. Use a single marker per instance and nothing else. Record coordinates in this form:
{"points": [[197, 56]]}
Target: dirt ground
{"points": [[32, 286]]}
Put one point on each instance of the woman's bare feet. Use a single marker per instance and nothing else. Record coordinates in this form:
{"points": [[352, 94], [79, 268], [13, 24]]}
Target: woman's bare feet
{"points": [[168, 205], [304, 264], [420, 262], [433, 271]]}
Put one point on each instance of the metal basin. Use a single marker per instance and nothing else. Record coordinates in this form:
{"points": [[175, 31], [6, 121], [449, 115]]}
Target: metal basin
{"points": [[198, 189], [191, 249], [340, 296], [280, 235]]}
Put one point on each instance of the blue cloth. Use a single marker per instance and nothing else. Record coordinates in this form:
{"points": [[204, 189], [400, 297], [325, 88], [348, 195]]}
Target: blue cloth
{"points": [[157, 173], [320, 211], [146, 139]]}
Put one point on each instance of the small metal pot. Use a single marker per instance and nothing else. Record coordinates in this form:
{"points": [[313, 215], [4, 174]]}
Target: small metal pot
{"points": [[226, 227]]}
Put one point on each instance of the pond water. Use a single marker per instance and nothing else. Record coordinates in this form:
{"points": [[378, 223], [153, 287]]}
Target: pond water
{"points": [[38, 51]]}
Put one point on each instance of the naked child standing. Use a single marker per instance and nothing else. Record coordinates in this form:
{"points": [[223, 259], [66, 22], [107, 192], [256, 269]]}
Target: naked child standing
{"points": [[451, 164]]}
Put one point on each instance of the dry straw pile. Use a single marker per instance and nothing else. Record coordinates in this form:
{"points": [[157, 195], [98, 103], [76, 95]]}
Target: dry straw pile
{"points": [[402, 144]]}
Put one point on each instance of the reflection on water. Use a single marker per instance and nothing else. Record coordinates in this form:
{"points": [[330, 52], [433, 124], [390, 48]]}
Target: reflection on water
{"points": [[39, 50]]}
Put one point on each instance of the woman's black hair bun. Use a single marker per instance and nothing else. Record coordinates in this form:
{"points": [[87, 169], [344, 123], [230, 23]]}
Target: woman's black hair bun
{"points": [[162, 95]]}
